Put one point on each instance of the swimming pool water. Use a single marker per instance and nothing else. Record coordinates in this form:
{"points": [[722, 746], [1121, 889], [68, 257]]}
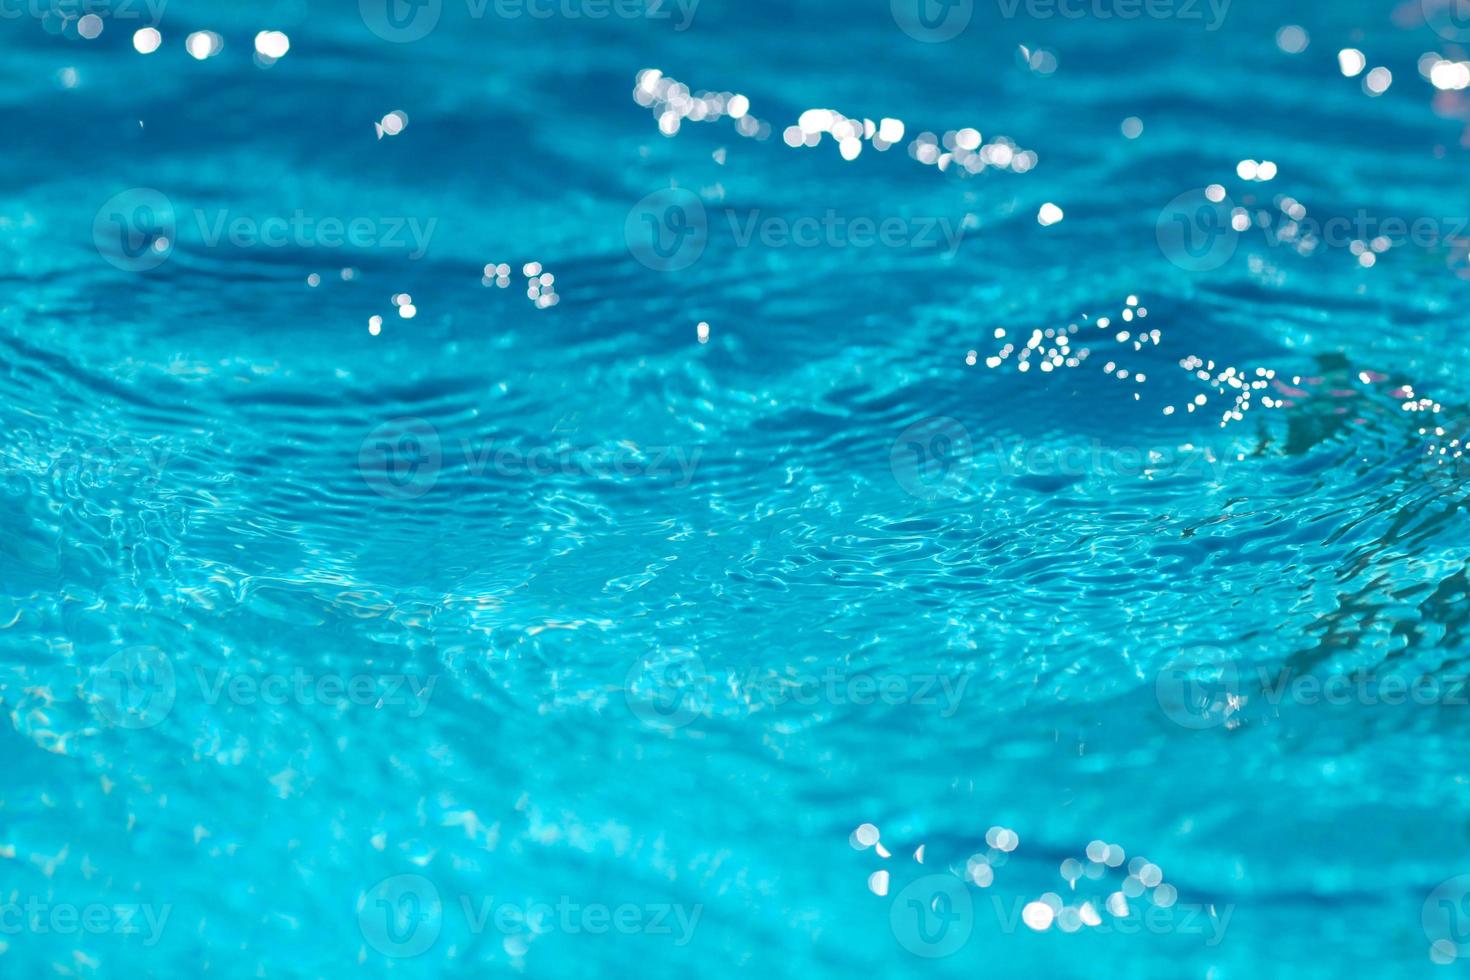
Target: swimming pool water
{"points": [[478, 499]]}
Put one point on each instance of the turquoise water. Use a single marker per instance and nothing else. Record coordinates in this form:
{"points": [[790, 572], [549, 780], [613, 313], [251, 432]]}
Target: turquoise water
{"points": [[1036, 546]]}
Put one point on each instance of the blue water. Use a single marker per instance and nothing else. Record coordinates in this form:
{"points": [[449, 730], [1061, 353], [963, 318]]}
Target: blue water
{"points": [[536, 628]]}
